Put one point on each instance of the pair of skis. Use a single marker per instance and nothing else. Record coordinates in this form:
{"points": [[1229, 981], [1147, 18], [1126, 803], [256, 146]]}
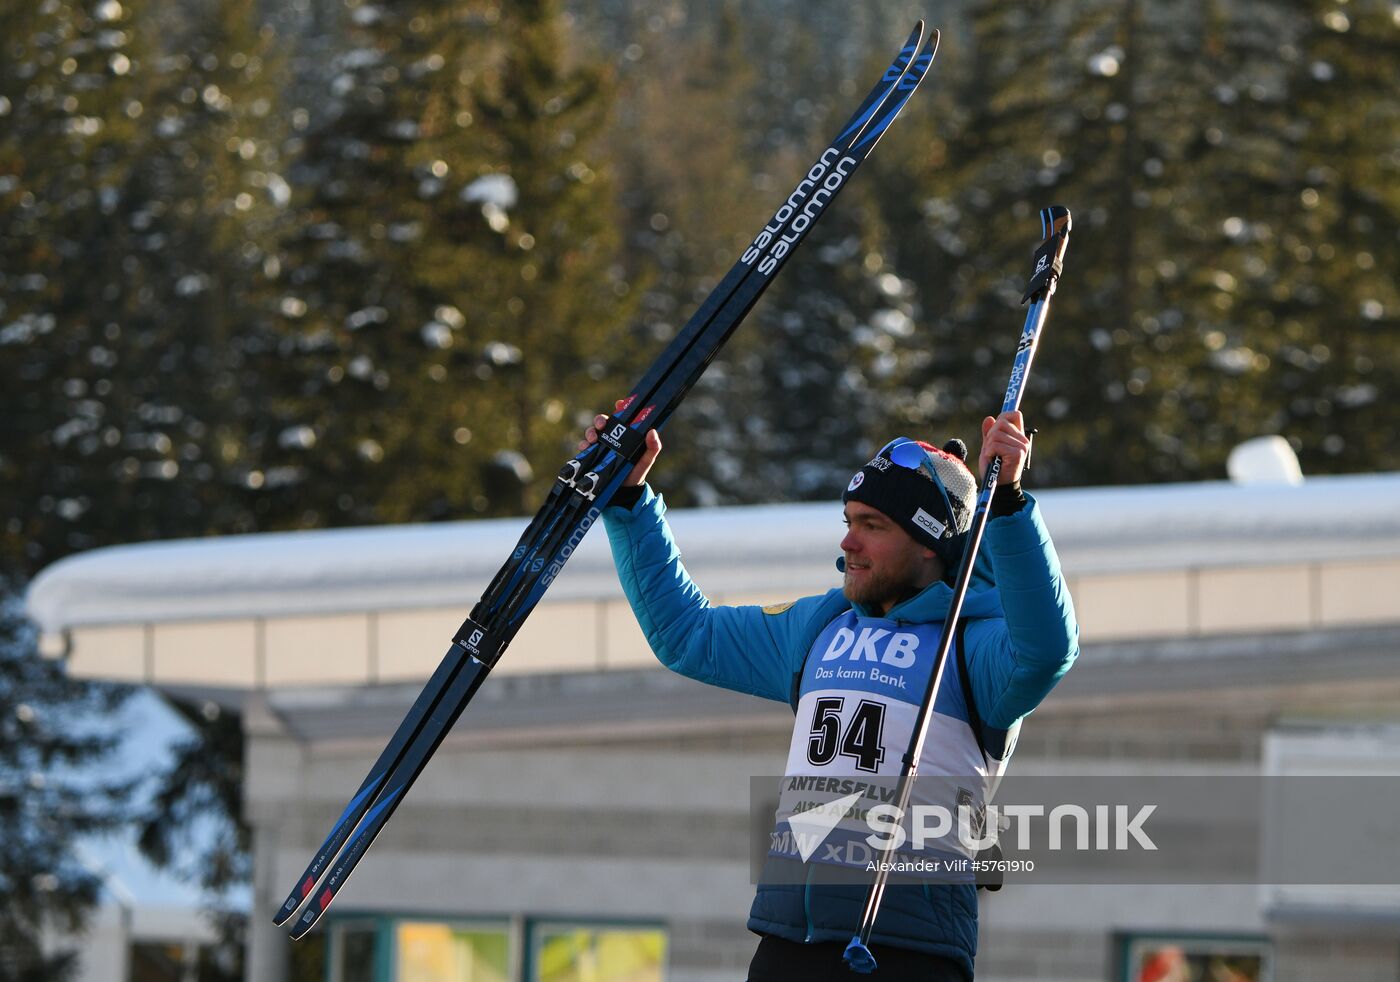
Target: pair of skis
{"points": [[584, 487]]}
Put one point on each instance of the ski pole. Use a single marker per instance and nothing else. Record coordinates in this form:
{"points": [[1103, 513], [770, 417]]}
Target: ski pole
{"points": [[1049, 259]]}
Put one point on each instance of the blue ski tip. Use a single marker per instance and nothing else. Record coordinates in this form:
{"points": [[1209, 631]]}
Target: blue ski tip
{"points": [[858, 956]]}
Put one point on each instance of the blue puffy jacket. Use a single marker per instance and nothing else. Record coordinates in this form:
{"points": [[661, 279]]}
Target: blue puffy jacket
{"points": [[1020, 638]]}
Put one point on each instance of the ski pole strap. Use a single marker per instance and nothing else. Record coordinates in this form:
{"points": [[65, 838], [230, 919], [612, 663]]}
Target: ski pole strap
{"points": [[622, 438], [974, 719], [991, 878], [1049, 263], [478, 642]]}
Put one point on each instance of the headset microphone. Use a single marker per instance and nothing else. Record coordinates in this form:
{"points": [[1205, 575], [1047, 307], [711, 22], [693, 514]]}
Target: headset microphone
{"points": [[841, 564]]}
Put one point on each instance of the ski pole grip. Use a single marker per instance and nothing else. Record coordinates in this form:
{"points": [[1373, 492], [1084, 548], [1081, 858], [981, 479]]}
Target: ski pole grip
{"points": [[1050, 256]]}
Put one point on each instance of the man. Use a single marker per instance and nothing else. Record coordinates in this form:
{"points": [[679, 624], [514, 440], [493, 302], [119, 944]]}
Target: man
{"points": [[907, 513]]}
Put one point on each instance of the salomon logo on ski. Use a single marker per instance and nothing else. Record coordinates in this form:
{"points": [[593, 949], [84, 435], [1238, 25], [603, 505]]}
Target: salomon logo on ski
{"points": [[809, 214], [557, 567], [789, 208]]}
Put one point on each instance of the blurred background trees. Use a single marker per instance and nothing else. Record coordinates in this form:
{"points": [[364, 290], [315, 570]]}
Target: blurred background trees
{"points": [[335, 262], [1207, 303]]}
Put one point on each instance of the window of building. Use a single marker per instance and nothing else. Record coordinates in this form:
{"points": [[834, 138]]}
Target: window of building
{"points": [[354, 952], [1195, 958], [179, 961], [433, 951], [157, 962], [584, 953], [382, 948]]}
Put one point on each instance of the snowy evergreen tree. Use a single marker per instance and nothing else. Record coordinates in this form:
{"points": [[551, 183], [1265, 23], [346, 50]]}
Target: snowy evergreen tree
{"points": [[1176, 133], [52, 734], [1330, 323], [760, 424], [129, 265], [838, 325], [136, 178], [69, 92], [693, 196], [452, 300], [194, 825], [64, 81]]}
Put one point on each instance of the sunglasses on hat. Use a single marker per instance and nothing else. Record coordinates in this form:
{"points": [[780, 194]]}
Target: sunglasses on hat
{"points": [[913, 455]]}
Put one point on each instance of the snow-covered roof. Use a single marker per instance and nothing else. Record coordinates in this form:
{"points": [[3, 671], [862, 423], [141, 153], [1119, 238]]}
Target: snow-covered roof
{"points": [[735, 550], [373, 605]]}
